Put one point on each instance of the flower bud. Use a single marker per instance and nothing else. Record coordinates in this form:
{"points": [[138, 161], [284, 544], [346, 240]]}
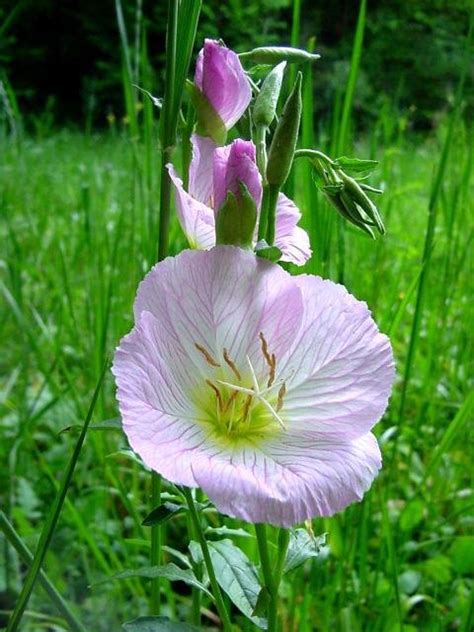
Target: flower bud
{"points": [[277, 54], [221, 81], [236, 219], [267, 99], [284, 140]]}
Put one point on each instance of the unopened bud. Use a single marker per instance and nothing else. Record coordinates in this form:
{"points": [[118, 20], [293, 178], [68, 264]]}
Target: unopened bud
{"points": [[267, 99], [276, 54], [209, 123], [236, 219], [282, 148]]}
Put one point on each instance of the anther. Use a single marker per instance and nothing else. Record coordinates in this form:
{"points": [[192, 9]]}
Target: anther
{"points": [[209, 359], [232, 365], [281, 395], [218, 394], [230, 401], [246, 408]]}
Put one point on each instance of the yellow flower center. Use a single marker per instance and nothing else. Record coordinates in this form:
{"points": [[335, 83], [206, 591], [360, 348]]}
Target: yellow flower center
{"points": [[241, 409]]}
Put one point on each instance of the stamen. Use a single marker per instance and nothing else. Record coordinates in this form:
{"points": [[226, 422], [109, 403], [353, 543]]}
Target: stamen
{"points": [[232, 365], [246, 409], [235, 387], [281, 395], [265, 352], [218, 394], [209, 359], [230, 401], [271, 376]]}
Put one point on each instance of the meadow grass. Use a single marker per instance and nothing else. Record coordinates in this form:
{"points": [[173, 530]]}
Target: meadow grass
{"points": [[75, 229]]}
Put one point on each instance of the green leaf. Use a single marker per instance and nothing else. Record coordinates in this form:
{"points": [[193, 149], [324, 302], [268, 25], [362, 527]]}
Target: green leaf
{"points": [[302, 547], [263, 600], [241, 533], [237, 577], [170, 572], [461, 554], [412, 515], [157, 624], [355, 165], [162, 514]]}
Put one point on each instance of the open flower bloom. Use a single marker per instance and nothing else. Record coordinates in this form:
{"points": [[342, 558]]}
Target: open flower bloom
{"points": [[220, 77], [259, 387], [212, 173]]}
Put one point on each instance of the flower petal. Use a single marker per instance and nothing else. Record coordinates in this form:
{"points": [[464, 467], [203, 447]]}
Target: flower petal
{"points": [[233, 164], [341, 365], [291, 479], [222, 299], [292, 240], [200, 169], [220, 76], [196, 219]]}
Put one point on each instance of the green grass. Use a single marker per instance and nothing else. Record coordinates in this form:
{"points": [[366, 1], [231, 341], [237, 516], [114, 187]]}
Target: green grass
{"points": [[74, 228]]}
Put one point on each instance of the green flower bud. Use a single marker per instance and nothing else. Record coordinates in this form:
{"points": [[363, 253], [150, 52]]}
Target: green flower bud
{"points": [[267, 99], [284, 140], [276, 54], [209, 123], [236, 219]]}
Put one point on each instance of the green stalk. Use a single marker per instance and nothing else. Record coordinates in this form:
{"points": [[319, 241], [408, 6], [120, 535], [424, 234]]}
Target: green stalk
{"points": [[273, 192], [50, 525], [216, 591], [168, 124], [12, 536], [272, 579]]}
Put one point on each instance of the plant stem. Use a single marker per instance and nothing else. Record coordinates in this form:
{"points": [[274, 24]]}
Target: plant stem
{"points": [[273, 192], [168, 126], [216, 591], [272, 579]]}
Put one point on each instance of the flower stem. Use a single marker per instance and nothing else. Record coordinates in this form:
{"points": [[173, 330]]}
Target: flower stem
{"points": [[216, 591], [155, 553], [271, 579], [273, 192], [168, 125]]}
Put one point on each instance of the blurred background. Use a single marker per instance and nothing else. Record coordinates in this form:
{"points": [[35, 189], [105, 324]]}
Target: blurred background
{"points": [[62, 59]]}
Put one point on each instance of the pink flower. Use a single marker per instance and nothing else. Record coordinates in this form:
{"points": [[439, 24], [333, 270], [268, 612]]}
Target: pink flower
{"points": [[259, 387], [220, 77], [213, 172]]}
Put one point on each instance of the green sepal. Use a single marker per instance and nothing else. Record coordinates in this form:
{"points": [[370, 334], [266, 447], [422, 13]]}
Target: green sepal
{"points": [[209, 123], [355, 192], [276, 54], [270, 253], [282, 148], [355, 166], [266, 102], [236, 219]]}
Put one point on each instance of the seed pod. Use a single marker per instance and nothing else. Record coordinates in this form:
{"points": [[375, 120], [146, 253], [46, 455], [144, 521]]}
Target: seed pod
{"points": [[267, 99], [276, 54], [284, 140]]}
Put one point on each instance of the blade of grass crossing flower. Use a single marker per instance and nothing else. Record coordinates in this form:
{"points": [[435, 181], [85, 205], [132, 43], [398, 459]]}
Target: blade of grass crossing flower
{"points": [[50, 525], [177, 64], [127, 71], [17, 543]]}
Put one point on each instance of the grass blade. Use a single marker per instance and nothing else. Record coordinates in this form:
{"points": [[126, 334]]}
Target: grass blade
{"points": [[12, 536], [53, 517]]}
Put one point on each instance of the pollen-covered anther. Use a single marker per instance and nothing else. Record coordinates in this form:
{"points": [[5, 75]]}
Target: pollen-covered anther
{"points": [[220, 403], [207, 356], [281, 396], [270, 359], [231, 364]]}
